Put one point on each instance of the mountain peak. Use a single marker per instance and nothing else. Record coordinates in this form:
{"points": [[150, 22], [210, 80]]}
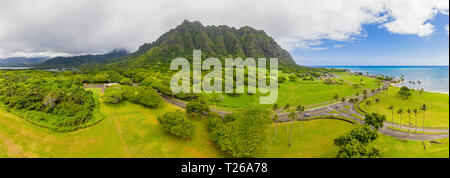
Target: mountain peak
{"points": [[214, 41], [189, 23]]}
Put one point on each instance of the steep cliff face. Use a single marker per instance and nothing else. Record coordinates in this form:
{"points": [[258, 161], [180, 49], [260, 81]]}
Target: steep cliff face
{"points": [[214, 41]]}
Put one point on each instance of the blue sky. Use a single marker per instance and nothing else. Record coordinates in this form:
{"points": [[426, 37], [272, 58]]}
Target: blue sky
{"points": [[378, 46]]}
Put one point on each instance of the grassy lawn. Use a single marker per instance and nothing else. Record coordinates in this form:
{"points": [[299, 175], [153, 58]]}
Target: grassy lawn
{"points": [[128, 130], [316, 142], [292, 93], [368, 82], [393, 148], [436, 116], [131, 130]]}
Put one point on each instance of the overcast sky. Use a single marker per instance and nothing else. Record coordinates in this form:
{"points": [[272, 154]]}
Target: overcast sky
{"points": [[68, 27]]}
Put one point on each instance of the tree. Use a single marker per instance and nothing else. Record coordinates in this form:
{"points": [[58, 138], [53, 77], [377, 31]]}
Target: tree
{"points": [[243, 136], [301, 109], [197, 109], [336, 97], [355, 143], [415, 111], [409, 111], [368, 103], [377, 101], [275, 117], [405, 92], [291, 116], [424, 109], [375, 120], [113, 95], [286, 107], [149, 97], [400, 112], [126, 81], [176, 124], [391, 107]]}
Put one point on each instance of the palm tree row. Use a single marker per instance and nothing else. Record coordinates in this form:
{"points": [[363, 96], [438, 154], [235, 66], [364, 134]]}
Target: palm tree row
{"points": [[410, 111]]}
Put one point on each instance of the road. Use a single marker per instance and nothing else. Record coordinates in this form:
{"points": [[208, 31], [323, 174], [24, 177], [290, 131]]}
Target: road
{"points": [[340, 109]]}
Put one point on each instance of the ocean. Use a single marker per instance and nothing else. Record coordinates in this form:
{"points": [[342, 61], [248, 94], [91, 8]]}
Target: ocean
{"points": [[433, 78]]}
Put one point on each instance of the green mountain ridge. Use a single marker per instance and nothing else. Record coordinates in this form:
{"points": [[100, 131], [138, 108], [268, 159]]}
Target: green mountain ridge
{"points": [[214, 41], [84, 60]]}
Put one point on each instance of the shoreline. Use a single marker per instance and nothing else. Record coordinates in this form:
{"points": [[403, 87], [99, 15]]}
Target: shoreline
{"points": [[429, 91]]}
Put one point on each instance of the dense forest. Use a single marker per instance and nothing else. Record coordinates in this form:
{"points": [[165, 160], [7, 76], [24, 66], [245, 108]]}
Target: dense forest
{"points": [[37, 96]]}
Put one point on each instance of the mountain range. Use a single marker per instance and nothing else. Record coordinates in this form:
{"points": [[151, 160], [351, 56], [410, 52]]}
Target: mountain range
{"points": [[21, 61], [84, 60], [215, 41]]}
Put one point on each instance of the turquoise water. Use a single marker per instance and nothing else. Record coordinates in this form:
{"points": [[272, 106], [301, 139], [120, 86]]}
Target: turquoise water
{"points": [[433, 78]]}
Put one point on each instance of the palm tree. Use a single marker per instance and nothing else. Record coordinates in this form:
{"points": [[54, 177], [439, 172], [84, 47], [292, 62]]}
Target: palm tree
{"points": [[300, 109], [275, 117], [400, 112], [391, 107], [420, 83], [424, 108], [409, 122], [415, 111], [286, 107], [377, 100], [336, 97], [291, 116], [368, 103]]}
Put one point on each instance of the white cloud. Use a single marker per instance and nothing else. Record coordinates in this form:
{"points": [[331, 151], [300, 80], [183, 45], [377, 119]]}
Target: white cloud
{"points": [[446, 28], [94, 26], [411, 17]]}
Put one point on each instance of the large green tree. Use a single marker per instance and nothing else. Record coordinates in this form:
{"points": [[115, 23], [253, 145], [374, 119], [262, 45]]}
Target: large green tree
{"points": [[245, 135], [177, 124]]}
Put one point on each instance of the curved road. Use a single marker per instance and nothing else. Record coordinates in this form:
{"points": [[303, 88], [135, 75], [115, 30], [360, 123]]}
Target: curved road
{"points": [[431, 133]]}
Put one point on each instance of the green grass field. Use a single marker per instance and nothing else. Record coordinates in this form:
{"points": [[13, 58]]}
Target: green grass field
{"points": [[436, 116], [131, 130], [128, 130], [393, 148], [367, 82], [316, 142], [292, 93]]}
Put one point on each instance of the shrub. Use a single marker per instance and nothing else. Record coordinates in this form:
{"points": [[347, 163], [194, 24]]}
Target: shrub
{"points": [[354, 144], [197, 109], [244, 136], [125, 81], [177, 124]]}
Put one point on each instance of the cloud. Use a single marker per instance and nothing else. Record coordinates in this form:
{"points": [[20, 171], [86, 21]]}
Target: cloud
{"points": [[446, 28], [412, 17], [95, 26]]}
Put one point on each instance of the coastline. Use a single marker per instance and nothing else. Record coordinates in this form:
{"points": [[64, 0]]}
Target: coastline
{"points": [[429, 91], [435, 76]]}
